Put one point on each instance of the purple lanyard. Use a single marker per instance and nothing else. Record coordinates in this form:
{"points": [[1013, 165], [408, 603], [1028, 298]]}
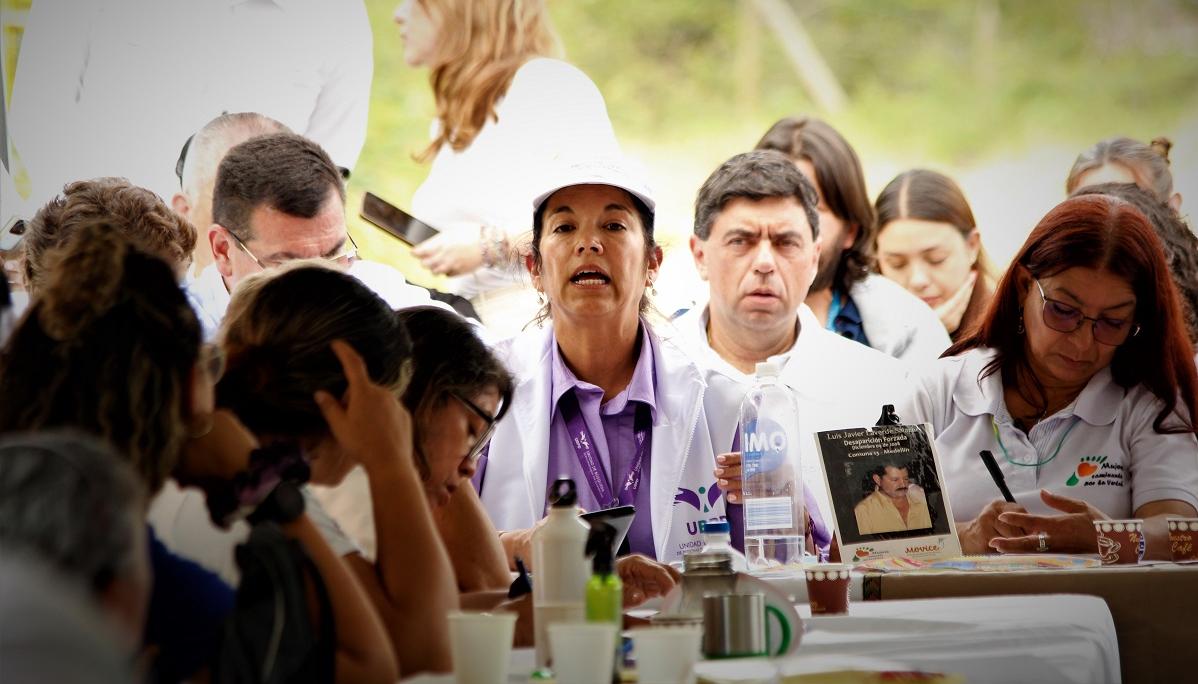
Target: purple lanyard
{"points": [[588, 458]]}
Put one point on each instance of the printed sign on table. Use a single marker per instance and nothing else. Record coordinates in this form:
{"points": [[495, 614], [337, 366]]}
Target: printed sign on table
{"points": [[887, 492]]}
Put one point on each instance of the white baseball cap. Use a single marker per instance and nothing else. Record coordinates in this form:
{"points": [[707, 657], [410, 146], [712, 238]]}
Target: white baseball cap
{"points": [[618, 172]]}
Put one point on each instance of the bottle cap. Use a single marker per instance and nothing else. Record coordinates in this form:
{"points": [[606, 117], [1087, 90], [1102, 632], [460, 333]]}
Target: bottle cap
{"points": [[714, 527], [767, 369], [562, 493]]}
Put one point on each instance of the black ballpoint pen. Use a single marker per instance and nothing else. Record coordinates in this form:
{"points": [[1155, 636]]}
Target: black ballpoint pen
{"points": [[996, 474]]}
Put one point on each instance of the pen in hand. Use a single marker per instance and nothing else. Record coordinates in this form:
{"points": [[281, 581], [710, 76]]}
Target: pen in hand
{"points": [[996, 475]]}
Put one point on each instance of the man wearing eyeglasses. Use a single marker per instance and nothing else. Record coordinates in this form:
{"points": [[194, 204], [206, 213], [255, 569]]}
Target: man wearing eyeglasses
{"points": [[198, 163], [278, 198]]}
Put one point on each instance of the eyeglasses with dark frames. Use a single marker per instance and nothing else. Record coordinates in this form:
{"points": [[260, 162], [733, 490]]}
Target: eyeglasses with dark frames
{"points": [[346, 255], [1067, 318], [485, 437]]}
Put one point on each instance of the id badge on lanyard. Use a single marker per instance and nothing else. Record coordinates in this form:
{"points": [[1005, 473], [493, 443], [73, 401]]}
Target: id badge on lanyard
{"points": [[588, 456]]}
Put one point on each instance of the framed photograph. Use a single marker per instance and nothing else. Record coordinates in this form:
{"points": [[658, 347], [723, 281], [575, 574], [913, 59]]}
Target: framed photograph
{"points": [[887, 493]]}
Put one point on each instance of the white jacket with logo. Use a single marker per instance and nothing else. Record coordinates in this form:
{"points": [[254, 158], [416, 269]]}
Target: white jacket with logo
{"points": [[681, 479], [837, 384]]}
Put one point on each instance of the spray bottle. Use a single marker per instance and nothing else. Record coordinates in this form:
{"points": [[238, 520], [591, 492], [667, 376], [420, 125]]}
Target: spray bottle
{"points": [[605, 591]]}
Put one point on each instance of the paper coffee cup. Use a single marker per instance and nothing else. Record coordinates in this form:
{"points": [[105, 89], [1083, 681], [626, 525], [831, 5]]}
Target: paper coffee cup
{"points": [[1183, 539], [1120, 542], [666, 655], [828, 588], [481, 644], [583, 652]]}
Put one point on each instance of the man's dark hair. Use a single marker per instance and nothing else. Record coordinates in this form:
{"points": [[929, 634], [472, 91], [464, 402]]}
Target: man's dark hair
{"points": [[283, 171], [757, 175], [880, 470]]}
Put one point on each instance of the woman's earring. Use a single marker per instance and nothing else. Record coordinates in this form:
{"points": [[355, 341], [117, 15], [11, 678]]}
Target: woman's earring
{"points": [[1019, 330], [541, 298], [652, 288]]}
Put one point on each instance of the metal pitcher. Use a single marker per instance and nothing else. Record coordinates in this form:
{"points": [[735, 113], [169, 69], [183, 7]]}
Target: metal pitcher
{"points": [[702, 574]]}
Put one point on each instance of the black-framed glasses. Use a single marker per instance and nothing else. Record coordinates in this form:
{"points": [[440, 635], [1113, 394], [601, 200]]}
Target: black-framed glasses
{"points": [[476, 450], [1067, 318], [346, 255]]}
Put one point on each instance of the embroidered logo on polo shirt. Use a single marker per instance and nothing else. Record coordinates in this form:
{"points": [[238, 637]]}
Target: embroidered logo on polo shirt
{"points": [[1087, 466], [1097, 471]]}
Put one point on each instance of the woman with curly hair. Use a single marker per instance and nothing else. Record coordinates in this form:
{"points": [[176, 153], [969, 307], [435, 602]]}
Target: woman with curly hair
{"points": [[111, 347]]}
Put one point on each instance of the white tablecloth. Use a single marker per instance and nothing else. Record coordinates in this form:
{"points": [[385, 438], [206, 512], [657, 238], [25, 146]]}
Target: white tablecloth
{"points": [[1000, 639], [1054, 638]]}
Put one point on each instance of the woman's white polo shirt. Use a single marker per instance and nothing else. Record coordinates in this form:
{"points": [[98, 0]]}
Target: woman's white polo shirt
{"points": [[1101, 448]]}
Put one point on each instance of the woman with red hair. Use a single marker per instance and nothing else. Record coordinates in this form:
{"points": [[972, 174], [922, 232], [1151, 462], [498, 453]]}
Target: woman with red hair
{"points": [[1080, 379]]}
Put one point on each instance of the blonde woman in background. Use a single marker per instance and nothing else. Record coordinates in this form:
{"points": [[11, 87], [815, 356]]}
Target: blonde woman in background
{"points": [[505, 106], [928, 242]]}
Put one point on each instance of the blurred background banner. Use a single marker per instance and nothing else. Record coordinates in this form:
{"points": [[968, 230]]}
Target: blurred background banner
{"points": [[1000, 95]]}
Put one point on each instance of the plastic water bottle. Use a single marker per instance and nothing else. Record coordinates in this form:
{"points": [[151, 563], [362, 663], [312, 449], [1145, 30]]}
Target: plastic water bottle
{"points": [[771, 476], [717, 537], [560, 567]]}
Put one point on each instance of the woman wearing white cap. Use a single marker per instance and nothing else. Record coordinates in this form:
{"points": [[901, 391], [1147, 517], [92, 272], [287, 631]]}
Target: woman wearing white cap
{"points": [[599, 396]]}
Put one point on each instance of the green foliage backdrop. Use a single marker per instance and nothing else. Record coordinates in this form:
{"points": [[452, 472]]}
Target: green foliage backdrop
{"points": [[951, 84]]}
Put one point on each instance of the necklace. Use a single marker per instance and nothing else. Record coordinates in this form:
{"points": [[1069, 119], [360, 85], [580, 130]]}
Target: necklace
{"points": [[1037, 463]]}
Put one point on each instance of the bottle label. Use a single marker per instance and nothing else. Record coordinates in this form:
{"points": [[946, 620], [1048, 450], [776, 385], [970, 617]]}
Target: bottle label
{"points": [[764, 446], [769, 513]]}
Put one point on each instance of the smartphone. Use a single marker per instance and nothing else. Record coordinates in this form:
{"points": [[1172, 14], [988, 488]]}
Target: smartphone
{"points": [[394, 220], [14, 230], [620, 518]]}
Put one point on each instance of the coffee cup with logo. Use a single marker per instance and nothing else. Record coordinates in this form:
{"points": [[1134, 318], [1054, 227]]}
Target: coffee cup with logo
{"points": [[828, 588], [1120, 542], [1183, 539]]}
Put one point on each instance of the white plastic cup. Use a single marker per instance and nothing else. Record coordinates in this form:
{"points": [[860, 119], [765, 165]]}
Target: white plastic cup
{"points": [[666, 655], [582, 652], [481, 644]]}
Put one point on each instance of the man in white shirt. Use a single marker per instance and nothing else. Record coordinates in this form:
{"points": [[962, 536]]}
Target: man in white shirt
{"points": [[756, 243], [278, 198], [114, 87]]}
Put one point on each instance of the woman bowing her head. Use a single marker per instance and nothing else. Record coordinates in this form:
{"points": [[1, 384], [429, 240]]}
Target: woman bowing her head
{"points": [[600, 397], [1080, 379]]}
